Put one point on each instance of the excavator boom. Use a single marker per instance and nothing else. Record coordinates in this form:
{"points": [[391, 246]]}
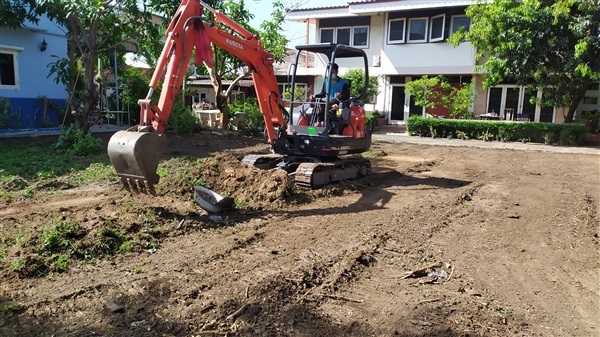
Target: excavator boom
{"points": [[135, 153]]}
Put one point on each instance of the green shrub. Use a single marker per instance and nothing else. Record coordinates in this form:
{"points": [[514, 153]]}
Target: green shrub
{"points": [[78, 143], [182, 121], [569, 134], [253, 122], [4, 106]]}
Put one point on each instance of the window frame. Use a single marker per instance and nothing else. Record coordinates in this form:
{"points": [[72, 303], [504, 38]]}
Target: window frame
{"points": [[441, 38], [452, 22], [333, 36], [366, 45], [350, 34], [403, 31], [351, 40], [14, 51], [426, 18]]}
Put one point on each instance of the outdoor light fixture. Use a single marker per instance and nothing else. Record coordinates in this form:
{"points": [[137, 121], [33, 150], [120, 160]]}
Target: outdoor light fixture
{"points": [[44, 45]]}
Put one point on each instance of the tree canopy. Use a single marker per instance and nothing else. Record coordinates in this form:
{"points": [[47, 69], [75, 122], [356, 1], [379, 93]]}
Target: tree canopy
{"points": [[15, 12], [95, 27], [357, 78], [553, 45]]}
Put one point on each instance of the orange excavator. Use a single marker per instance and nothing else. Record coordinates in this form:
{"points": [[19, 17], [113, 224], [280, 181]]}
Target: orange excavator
{"points": [[314, 146]]}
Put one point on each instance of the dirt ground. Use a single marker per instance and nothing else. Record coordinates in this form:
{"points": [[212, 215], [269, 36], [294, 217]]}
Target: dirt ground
{"points": [[510, 239]]}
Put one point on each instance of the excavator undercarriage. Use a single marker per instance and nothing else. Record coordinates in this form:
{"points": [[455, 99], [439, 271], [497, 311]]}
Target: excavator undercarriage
{"points": [[310, 172]]}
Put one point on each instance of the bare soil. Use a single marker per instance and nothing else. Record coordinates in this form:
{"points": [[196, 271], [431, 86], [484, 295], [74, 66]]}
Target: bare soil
{"points": [[510, 239]]}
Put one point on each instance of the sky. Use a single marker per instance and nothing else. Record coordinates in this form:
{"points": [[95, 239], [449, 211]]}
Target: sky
{"points": [[295, 32], [262, 10]]}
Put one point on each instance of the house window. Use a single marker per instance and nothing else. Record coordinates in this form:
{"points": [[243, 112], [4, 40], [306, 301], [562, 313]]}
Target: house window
{"points": [[436, 30], [9, 68], [357, 36], [343, 35], [396, 31], [361, 36], [417, 30], [327, 35], [459, 21]]}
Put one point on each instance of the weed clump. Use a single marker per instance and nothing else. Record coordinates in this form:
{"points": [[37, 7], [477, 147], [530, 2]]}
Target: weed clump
{"points": [[77, 143]]}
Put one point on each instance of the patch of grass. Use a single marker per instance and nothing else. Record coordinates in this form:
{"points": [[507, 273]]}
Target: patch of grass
{"points": [[61, 263], [106, 243], [25, 164], [60, 236], [11, 308], [61, 243], [374, 154], [95, 172]]}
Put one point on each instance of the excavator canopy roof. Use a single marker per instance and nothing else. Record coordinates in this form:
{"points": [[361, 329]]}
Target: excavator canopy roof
{"points": [[341, 50]]}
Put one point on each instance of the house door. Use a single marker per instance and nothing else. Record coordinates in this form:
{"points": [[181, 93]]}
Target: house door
{"points": [[398, 102], [502, 98]]}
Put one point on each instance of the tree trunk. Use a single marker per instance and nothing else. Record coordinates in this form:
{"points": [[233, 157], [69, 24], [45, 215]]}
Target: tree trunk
{"points": [[91, 101], [221, 101], [577, 97]]}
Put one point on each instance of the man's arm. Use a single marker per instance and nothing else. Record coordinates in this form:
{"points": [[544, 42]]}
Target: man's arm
{"points": [[345, 91]]}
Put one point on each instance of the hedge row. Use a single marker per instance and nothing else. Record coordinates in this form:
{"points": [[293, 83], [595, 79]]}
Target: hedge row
{"points": [[563, 134]]}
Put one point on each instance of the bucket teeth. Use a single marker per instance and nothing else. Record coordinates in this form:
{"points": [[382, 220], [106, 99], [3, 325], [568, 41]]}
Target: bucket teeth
{"points": [[135, 185]]}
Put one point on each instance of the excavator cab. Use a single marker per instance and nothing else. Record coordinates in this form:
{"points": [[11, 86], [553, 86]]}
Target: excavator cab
{"points": [[343, 131]]}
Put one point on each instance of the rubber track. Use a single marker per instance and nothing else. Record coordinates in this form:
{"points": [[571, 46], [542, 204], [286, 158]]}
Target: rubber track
{"points": [[330, 172]]}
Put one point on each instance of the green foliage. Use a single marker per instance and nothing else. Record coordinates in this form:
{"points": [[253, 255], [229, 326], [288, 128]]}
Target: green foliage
{"points": [[59, 236], [431, 92], [4, 107], [251, 119], [77, 143], [299, 93], [371, 121], [94, 28], [549, 45], [182, 121], [271, 32], [425, 90], [15, 12], [135, 86], [357, 77], [569, 134], [28, 166]]}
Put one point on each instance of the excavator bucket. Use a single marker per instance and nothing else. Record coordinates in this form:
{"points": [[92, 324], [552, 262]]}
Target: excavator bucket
{"points": [[135, 156]]}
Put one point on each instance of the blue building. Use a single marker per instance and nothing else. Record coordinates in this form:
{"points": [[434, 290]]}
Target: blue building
{"points": [[24, 58]]}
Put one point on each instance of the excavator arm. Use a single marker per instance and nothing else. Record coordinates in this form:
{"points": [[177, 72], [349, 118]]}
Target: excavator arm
{"points": [[135, 153]]}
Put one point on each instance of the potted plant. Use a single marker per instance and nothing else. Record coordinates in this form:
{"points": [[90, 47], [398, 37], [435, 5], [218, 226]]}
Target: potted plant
{"points": [[381, 119]]}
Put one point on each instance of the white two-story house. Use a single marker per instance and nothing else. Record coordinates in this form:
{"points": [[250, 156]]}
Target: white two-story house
{"points": [[406, 39]]}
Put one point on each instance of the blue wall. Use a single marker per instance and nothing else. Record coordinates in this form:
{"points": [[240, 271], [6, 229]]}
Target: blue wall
{"points": [[28, 113], [33, 72]]}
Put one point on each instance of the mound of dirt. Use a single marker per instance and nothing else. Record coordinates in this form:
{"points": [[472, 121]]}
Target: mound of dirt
{"points": [[250, 187]]}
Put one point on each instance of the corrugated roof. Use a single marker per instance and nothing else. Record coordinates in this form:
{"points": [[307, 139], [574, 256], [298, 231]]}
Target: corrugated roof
{"points": [[409, 3]]}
